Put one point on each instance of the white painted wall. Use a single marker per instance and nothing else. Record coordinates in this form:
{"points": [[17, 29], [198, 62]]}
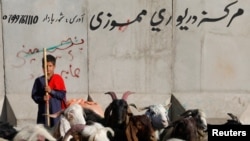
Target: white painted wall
{"points": [[196, 62]]}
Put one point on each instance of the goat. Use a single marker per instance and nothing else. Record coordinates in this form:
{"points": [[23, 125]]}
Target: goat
{"points": [[92, 131], [116, 115], [158, 115], [7, 131], [127, 127], [34, 133], [139, 128], [88, 105], [74, 114], [191, 126], [233, 121], [68, 117]]}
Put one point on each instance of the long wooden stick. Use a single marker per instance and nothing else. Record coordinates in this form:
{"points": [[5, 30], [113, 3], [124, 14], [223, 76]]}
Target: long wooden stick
{"points": [[46, 84]]}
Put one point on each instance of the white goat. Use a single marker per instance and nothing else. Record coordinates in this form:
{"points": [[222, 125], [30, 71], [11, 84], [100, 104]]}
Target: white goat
{"points": [[93, 132], [69, 117], [74, 114], [158, 114], [34, 133]]}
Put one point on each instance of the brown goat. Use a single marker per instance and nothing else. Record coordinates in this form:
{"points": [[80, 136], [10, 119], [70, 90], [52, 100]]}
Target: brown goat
{"points": [[140, 128]]}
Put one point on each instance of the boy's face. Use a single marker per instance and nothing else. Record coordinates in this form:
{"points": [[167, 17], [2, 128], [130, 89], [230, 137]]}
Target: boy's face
{"points": [[50, 69]]}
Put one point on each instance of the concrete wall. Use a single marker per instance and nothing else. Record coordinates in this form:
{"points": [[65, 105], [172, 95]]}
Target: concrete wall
{"points": [[196, 50]]}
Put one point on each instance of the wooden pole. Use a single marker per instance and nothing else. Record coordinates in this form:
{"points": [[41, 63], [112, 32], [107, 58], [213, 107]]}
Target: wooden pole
{"points": [[46, 84]]}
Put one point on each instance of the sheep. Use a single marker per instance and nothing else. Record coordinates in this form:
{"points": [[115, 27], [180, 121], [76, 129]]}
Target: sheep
{"points": [[92, 131], [34, 133], [190, 126]]}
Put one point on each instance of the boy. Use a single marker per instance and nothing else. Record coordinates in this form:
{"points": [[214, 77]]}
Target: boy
{"points": [[56, 92]]}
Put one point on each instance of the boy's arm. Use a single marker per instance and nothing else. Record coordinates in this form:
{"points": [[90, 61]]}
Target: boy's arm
{"points": [[58, 90], [59, 94], [35, 94]]}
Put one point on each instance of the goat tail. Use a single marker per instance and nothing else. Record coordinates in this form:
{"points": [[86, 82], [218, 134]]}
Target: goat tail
{"points": [[112, 94], [126, 94]]}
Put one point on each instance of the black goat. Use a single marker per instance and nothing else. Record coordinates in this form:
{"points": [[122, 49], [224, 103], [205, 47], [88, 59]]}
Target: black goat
{"points": [[191, 126], [117, 114], [127, 127], [233, 121], [7, 131]]}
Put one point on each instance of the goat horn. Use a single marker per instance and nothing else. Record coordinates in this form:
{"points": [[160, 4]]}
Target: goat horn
{"points": [[233, 116], [125, 95], [112, 94], [133, 105]]}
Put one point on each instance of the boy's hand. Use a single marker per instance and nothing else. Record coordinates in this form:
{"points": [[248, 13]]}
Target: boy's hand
{"points": [[46, 97], [47, 89]]}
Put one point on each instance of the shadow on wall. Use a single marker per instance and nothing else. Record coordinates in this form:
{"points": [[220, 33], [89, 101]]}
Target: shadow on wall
{"points": [[3, 116], [7, 113], [176, 108]]}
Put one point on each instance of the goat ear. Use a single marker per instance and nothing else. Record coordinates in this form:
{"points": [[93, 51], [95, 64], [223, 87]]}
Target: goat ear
{"points": [[69, 115], [131, 132], [143, 108], [107, 113]]}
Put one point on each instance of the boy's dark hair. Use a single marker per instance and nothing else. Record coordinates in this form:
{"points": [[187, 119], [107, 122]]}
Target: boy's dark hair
{"points": [[50, 58]]}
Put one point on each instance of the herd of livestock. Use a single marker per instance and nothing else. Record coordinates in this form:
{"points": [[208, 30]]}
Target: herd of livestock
{"points": [[117, 122]]}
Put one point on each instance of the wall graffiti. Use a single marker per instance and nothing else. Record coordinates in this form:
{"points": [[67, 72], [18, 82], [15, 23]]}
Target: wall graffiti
{"points": [[26, 56], [104, 20]]}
